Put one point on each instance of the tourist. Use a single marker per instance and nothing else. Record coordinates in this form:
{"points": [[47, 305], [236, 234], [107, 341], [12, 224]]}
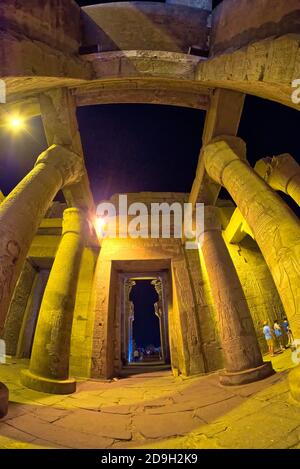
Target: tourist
{"points": [[288, 332], [136, 355], [269, 338], [278, 334]]}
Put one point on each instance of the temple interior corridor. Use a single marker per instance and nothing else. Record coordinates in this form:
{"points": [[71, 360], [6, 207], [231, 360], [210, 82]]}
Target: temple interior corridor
{"points": [[149, 224]]}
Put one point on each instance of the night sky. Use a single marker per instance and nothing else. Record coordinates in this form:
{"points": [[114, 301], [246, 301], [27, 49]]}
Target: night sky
{"points": [[146, 323]]}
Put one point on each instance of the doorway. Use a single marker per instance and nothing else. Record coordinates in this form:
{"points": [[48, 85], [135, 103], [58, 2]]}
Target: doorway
{"points": [[144, 332], [146, 344]]}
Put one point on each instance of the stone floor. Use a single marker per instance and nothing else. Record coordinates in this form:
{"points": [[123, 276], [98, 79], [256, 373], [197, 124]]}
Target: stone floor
{"points": [[153, 410]]}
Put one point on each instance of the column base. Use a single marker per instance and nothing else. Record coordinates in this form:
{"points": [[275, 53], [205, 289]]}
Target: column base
{"points": [[51, 386], [246, 376], [3, 400], [294, 383]]}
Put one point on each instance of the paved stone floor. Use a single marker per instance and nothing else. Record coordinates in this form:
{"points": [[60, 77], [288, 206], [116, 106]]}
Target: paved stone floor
{"points": [[153, 410]]}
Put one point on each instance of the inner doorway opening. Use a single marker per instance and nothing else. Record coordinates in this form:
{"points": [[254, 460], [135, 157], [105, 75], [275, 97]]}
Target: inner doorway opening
{"points": [[146, 344], [145, 334]]}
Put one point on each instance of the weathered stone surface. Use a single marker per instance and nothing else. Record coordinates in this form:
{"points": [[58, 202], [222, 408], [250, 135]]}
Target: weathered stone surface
{"points": [[48, 22], [21, 214], [17, 308], [98, 423], [282, 173], [165, 425], [58, 110], [236, 23], [3, 400], [117, 26], [39, 420], [237, 334], [275, 226], [49, 363]]}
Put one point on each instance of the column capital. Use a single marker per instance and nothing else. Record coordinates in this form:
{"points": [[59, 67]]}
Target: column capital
{"points": [[220, 153], [278, 171], [66, 162], [74, 220]]}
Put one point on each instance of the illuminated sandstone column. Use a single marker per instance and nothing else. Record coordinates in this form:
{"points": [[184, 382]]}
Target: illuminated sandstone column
{"points": [[282, 173], [49, 363], [275, 227], [242, 356], [3, 400], [23, 210]]}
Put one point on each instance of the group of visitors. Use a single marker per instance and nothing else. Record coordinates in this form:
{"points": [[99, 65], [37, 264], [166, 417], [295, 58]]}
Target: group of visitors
{"points": [[280, 333]]}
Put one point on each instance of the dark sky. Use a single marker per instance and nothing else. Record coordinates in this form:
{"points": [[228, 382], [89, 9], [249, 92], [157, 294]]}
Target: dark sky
{"points": [[131, 148], [146, 323]]}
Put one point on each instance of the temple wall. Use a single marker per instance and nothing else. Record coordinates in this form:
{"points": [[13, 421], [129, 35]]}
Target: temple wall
{"points": [[165, 27], [236, 23], [47, 22]]}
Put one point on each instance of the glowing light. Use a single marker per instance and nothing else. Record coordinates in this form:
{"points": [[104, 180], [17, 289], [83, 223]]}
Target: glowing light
{"points": [[16, 123]]}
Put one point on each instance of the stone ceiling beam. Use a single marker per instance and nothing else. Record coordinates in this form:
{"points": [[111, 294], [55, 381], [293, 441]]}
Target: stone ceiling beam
{"points": [[223, 118], [265, 68], [182, 98], [58, 111]]}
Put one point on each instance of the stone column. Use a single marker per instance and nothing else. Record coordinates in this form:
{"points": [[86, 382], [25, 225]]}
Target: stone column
{"points": [[49, 364], [242, 356], [128, 320], [158, 313], [282, 173], [3, 400], [23, 210], [275, 227]]}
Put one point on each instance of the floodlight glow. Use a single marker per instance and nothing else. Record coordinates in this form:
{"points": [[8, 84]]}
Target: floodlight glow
{"points": [[16, 123]]}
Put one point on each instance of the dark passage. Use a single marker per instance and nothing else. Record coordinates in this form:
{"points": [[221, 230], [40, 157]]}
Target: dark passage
{"points": [[146, 332]]}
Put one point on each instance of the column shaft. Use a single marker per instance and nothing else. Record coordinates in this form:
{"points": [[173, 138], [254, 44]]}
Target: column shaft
{"points": [[275, 227], [242, 356], [282, 173], [49, 364], [23, 210]]}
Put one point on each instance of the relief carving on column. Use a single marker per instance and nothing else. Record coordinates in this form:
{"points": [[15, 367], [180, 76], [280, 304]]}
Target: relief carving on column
{"points": [[129, 284], [157, 310], [278, 171], [220, 153], [157, 283], [8, 260], [68, 163]]}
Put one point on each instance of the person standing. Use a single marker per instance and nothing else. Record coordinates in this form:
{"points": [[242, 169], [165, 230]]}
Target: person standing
{"points": [[269, 338], [288, 332], [278, 334]]}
